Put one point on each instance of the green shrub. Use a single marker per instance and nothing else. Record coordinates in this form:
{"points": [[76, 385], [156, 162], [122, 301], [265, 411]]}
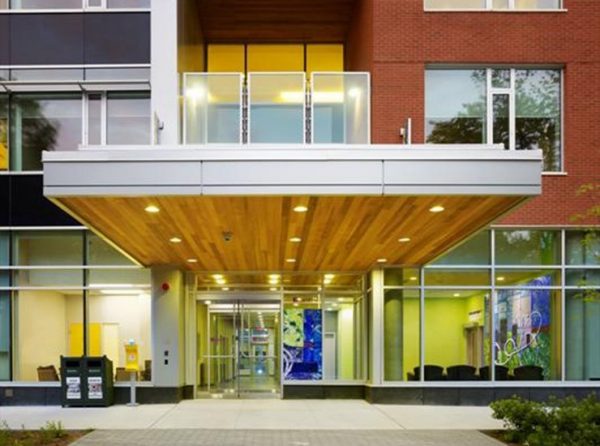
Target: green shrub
{"points": [[51, 431], [4, 433], [557, 423]]}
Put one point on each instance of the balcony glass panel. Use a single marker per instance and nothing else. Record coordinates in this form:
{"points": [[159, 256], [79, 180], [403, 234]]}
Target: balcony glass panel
{"points": [[213, 108], [340, 108], [277, 106]]}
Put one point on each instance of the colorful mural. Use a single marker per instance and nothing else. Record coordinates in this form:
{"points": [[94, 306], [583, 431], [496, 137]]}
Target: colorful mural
{"points": [[522, 320], [302, 344]]}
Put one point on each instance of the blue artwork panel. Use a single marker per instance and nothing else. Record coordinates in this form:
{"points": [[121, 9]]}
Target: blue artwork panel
{"points": [[302, 344]]}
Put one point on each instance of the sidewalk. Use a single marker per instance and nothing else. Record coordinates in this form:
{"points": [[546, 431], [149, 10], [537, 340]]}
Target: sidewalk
{"points": [[250, 415]]}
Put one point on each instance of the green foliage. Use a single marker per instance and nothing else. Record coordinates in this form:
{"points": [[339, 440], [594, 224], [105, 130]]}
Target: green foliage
{"points": [[53, 430], [562, 422], [4, 434]]}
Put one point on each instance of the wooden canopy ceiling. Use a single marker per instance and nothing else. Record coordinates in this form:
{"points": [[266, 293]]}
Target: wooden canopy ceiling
{"points": [[275, 20], [337, 233]]}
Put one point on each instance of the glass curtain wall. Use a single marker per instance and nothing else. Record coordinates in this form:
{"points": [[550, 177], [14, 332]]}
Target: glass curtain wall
{"points": [[509, 309], [3, 131], [71, 293]]}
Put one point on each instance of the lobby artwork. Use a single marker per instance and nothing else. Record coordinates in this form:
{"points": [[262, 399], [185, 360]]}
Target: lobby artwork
{"points": [[523, 322], [302, 344]]}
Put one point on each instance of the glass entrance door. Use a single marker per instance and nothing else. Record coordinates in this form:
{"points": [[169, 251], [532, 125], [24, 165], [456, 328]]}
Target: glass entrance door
{"points": [[242, 357]]}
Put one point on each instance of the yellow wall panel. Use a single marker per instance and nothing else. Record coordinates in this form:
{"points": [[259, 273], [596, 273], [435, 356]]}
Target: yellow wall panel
{"points": [[324, 58], [225, 58], [275, 58]]}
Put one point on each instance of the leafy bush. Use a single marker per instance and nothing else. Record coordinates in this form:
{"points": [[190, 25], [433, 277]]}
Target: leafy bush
{"points": [[557, 423]]}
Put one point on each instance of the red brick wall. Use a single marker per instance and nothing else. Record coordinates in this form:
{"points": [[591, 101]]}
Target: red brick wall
{"points": [[405, 39]]}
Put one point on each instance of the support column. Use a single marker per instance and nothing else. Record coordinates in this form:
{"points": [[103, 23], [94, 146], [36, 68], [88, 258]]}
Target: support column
{"points": [[168, 326], [376, 327], [393, 335]]}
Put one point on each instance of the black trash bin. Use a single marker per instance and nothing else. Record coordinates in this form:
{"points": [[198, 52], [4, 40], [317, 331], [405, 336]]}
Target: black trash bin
{"points": [[99, 388], [87, 381], [72, 380]]}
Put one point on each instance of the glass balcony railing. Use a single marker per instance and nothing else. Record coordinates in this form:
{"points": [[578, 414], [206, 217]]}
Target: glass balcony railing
{"points": [[276, 108]]}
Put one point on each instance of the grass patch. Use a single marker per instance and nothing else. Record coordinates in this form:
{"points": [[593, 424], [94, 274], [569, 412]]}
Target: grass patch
{"points": [[52, 434]]}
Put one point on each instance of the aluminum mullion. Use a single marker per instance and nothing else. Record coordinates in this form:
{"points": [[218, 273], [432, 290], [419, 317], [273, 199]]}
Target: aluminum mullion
{"points": [[422, 326], [512, 117], [563, 365], [493, 299]]}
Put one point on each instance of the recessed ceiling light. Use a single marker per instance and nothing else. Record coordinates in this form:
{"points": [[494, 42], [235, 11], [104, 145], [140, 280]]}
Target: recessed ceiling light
{"points": [[382, 260], [152, 209], [207, 302], [192, 260], [329, 276], [437, 208], [274, 276], [295, 239], [500, 279], [217, 276], [295, 304], [273, 281], [273, 289], [300, 209], [340, 299], [225, 288], [456, 294], [221, 281], [413, 278], [404, 239], [290, 260], [175, 240]]}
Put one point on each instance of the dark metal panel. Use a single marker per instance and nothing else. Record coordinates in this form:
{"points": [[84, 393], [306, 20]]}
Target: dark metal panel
{"points": [[4, 40], [4, 200], [46, 39], [29, 207], [117, 38]]}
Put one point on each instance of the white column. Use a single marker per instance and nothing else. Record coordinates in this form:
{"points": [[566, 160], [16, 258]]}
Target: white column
{"points": [[376, 327], [165, 77], [168, 317]]}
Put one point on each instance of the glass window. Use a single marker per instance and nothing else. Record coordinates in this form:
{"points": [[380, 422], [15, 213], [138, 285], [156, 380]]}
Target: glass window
{"points": [[455, 106], [528, 277], [408, 277], [475, 251], [457, 335], [116, 4], [100, 74], [538, 114], [583, 248], [47, 324], [36, 248], [43, 122], [119, 279], [401, 351], [528, 333], [501, 119], [455, 4], [101, 253], [277, 105], [3, 132], [128, 118], [528, 247], [583, 277], [46, 74], [94, 119], [115, 318], [4, 308], [457, 277], [582, 331], [537, 4], [46, 4]]}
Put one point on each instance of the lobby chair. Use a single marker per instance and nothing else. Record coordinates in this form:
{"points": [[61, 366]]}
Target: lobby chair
{"points": [[122, 375], [529, 373], [47, 373], [432, 373], [501, 373], [461, 372]]}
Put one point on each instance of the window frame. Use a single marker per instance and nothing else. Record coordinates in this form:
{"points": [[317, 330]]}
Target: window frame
{"points": [[489, 7]]}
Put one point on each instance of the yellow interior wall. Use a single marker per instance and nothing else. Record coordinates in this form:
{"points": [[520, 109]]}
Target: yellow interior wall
{"points": [[444, 331], [275, 57], [225, 58], [322, 57], [346, 342]]}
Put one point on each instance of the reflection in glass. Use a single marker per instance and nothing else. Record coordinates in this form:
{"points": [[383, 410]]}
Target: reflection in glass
{"points": [[582, 331], [527, 247], [501, 119], [36, 248], [455, 106], [528, 327], [501, 78], [46, 4], [475, 251], [47, 324], [401, 277], [43, 122], [3, 132], [116, 4], [583, 248], [101, 253], [94, 119], [457, 334], [340, 108], [457, 277], [500, 4], [538, 114], [47, 74], [537, 4], [277, 105], [583, 277], [514, 277], [128, 118], [213, 108], [401, 327]]}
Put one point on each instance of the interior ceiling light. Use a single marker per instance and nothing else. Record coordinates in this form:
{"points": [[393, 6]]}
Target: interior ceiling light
{"points": [[152, 209], [272, 289], [500, 279], [225, 289], [273, 281], [300, 209], [404, 239], [217, 276], [329, 276], [381, 260], [437, 208], [207, 302], [274, 276], [295, 239], [175, 240], [413, 278], [192, 260], [221, 281], [290, 260]]}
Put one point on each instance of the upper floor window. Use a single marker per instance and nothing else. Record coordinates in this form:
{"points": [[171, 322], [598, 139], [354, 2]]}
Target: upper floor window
{"points": [[519, 108], [74, 4], [493, 4]]}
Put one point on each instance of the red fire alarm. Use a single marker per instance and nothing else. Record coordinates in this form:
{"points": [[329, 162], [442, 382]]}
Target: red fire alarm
{"points": [[165, 286]]}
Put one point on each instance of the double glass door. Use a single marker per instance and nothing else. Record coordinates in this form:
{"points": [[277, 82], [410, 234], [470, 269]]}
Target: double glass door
{"points": [[242, 352]]}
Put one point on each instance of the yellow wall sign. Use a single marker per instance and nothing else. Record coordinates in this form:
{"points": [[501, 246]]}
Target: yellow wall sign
{"points": [[131, 358]]}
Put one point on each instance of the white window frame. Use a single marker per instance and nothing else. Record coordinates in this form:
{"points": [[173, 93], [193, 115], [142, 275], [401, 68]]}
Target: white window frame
{"points": [[103, 117], [489, 6], [492, 91]]}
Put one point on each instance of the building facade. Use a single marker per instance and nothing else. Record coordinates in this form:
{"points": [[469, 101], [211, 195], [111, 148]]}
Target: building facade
{"points": [[380, 199]]}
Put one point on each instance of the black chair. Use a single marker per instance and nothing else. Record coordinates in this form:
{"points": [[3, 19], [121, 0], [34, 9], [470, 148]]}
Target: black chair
{"points": [[432, 373], [501, 373], [529, 373], [461, 373]]}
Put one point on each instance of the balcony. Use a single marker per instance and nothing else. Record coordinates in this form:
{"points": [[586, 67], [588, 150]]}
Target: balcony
{"points": [[276, 108]]}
